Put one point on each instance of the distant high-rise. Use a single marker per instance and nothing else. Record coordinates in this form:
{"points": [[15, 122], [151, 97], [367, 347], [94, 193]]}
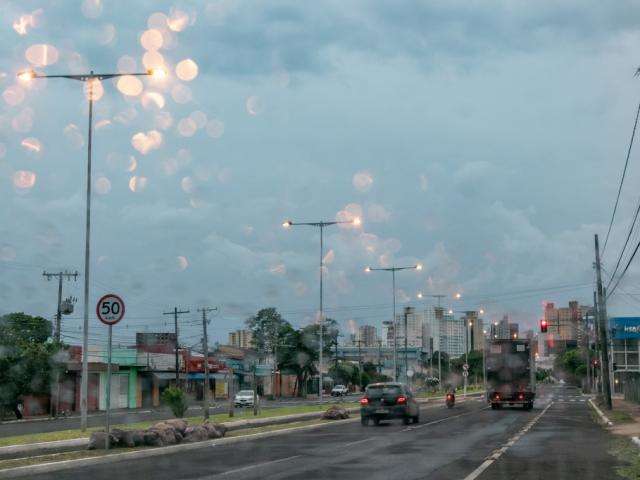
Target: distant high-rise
{"points": [[452, 335], [368, 336], [514, 330], [475, 328], [240, 338], [563, 322], [415, 323]]}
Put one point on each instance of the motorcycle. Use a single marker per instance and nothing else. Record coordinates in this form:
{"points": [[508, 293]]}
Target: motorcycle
{"points": [[450, 400]]}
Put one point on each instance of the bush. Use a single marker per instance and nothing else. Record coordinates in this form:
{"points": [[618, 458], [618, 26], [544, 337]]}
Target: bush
{"points": [[176, 400]]}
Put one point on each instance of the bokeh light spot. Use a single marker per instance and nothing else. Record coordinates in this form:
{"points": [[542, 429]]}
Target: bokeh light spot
{"points": [[151, 39], [187, 127], [24, 179], [130, 85], [150, 100], [91, 8], [137, 184], [127, 64], [181, 94], [215, 128], [254, 105], [362, 181], [13, 95], [187, 70], [41, 55], [178, 20], [145, 142], [102, 185]]}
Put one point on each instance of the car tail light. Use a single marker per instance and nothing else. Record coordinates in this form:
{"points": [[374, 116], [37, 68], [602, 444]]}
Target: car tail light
{"points": [[364, 401], [521, 396], [449, 396], [497, 396], [401, 400]]}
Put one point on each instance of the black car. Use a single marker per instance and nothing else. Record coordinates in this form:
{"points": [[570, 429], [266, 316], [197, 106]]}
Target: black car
{"points": [[387, 401]]}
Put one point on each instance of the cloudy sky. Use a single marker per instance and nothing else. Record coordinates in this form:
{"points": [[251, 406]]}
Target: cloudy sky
{"points": [[483, 140]]}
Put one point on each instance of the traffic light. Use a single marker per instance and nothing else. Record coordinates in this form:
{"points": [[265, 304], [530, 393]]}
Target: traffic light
{"points": [[544, 325]]}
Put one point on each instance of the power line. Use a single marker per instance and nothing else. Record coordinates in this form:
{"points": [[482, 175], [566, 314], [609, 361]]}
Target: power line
{"points": [[610, 292], [624, 172]]}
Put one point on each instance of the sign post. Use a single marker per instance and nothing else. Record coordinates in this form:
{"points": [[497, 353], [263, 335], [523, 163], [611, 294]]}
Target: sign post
{"points": [[110, 310]]}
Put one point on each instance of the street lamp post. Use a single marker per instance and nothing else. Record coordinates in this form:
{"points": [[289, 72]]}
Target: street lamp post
{"points": [[321, 225], [90, 78], [393, 271]]}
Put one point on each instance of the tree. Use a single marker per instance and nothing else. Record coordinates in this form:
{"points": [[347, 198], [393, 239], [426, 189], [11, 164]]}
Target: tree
{"points": [[265, 328], [27, 360], [571, 364]]}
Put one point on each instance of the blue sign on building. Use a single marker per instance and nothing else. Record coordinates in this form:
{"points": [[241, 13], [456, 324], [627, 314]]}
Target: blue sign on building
{"points": [[625, 327]]}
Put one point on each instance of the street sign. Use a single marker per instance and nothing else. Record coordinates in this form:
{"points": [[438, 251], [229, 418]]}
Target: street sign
{"points": [[465, 367], [410, 373], [465, 373], [110, 309]]}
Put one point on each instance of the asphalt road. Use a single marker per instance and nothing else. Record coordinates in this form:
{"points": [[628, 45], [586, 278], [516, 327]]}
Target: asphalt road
{"points": [[557, 439], [24, 427]]}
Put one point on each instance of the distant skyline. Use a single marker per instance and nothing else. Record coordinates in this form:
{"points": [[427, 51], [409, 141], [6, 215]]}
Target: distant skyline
{"points": [[485, 142]]}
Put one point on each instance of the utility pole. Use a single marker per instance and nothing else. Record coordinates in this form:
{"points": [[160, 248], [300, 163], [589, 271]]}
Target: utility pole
{"points": [[61, 276], [359, 363], [379, 357], [598, 356], [604, 347], [407, 310], [205, 349], [58, 329], [175, 314]]}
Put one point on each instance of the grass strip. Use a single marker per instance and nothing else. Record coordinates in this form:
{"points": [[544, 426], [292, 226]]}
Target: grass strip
{"points": [[217, 418]]}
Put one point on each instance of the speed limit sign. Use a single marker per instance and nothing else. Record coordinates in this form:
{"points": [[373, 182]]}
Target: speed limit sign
{"points": [[110, 309]]}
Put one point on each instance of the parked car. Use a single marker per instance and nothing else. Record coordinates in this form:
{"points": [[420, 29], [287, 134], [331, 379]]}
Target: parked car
{"points": [[244, 398], [387, 401], [339, 390]]}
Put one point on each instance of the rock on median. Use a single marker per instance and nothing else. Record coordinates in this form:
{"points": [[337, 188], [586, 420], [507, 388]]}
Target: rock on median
{"points": [[97, 441], [335, 413]]}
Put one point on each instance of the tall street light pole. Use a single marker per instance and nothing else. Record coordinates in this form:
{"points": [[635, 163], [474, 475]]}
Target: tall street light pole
{"points": [[394, 324], [90, 79], [321, 225]]}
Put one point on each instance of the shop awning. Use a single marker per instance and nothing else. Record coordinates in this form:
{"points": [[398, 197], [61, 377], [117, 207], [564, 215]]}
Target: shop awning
{"points": [[200, 376], [165, 375]]}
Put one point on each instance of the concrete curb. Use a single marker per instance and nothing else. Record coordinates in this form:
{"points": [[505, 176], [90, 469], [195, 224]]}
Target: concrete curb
{"points": [[605, 420], [44, 447], [153, 452]]}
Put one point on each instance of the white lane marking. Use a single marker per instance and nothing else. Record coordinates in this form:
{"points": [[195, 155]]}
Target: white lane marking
{"points": [[422, 425], [251, 467], [495, 455], [358, 441]]}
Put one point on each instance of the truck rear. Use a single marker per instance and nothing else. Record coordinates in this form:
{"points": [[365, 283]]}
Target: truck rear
{"points": [[510, 373]]}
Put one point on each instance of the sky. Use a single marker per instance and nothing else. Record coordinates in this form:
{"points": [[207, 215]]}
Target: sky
{"points": [[483, 140]]}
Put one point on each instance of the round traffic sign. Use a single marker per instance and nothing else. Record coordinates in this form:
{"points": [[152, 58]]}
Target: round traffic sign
{"points": [[465, 367], [410, 373], [465, 373], [110, 309]]}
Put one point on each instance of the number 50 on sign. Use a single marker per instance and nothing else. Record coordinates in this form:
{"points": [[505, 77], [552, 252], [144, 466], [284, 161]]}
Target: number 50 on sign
{"points": [[110, 309]]}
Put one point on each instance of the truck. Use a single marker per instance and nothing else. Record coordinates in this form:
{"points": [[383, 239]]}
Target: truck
{"points": [[510, 373]]}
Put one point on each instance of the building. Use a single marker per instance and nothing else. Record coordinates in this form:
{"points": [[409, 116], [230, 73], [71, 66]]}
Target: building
{"points": [[475, 327], [452, 335], [368, 336], [566, 327], [564, 323], [240, 338], [414, 322], [514, 330]]}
